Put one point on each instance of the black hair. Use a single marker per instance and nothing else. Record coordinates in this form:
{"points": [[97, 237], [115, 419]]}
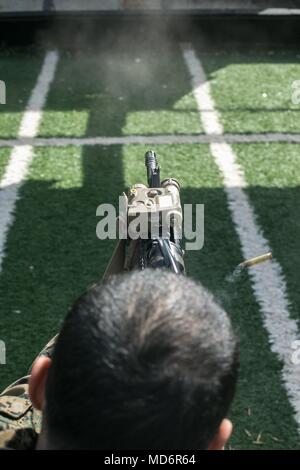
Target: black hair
{"points": [[146, 361]]}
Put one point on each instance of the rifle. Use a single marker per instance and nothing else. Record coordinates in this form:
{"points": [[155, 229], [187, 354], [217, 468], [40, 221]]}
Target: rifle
{"points": [[156, 209]]}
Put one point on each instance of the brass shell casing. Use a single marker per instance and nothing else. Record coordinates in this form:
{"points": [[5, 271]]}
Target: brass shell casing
{"points": [[257, 260]]}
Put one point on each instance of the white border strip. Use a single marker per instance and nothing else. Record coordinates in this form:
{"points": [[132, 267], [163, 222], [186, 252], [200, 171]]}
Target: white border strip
{"points": [[21, 156], [152, 139], [268, 282]]}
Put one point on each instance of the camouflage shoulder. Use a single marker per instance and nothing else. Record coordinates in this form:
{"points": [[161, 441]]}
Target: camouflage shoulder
{"points": [[19, 421], [18, 439]]}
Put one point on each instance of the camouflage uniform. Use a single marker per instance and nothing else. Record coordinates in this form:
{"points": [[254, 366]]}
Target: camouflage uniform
{"points": [[20, 423]]}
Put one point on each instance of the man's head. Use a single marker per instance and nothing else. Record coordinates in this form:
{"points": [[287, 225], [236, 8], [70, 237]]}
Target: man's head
{"points": [[145, 361]]}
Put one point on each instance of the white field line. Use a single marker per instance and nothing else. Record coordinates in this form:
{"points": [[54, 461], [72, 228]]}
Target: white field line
{"points": [[152, 140], [268, 282], [22, 155]]}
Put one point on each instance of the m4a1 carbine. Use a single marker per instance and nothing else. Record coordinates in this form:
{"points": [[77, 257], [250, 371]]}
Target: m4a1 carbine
{"points": [[155, 210]]}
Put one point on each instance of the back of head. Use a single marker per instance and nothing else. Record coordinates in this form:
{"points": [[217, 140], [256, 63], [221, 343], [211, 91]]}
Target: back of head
{"points": [[145, 361]]}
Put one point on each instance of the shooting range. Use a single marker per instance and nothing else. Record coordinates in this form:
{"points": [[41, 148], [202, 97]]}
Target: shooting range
{"points": [[213, 87]]}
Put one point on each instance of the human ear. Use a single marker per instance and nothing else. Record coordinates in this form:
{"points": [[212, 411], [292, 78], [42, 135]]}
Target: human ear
{"points": [[222, 436], [37, 381]]}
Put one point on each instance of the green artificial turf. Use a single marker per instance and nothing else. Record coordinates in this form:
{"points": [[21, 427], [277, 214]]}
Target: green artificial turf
{"points": [[52, 252], [19, 70], [123, 93], [273, 175], [4, 156], [253, 91], [261, 401]]}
